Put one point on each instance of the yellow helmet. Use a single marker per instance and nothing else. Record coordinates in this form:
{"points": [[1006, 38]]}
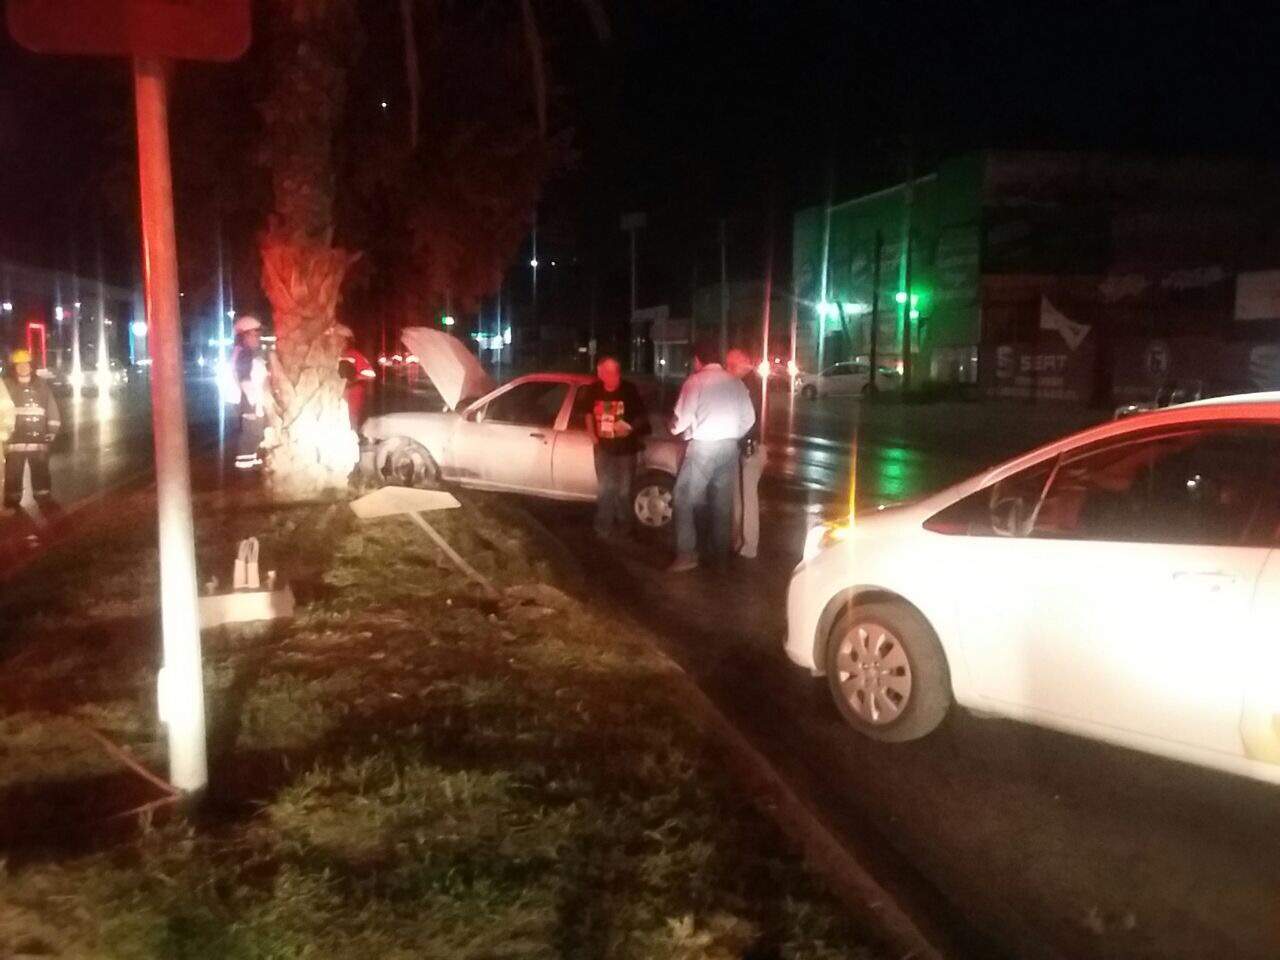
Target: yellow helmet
{"points": [[20, 356]]}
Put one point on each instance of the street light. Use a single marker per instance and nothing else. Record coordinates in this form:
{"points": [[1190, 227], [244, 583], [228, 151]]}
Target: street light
{"points": [[447, 320]]}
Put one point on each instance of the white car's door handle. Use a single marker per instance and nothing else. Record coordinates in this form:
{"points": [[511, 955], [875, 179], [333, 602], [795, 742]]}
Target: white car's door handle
{"points": [[540, 436], [1211, 580]]}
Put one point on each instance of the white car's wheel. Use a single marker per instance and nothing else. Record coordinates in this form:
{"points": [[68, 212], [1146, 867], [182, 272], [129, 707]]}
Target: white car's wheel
{"points": [[809, 392], [409, 464], [887, 672], [654, 500]]}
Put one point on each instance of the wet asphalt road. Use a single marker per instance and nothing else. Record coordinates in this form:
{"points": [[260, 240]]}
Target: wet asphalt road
{"points": [[106, 443], [1010, 841]]}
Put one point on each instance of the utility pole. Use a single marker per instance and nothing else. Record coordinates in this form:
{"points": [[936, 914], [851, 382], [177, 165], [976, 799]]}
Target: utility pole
{"points": [[875, 310], [724, 291], [904, 274], [495, 355], [104, 350], [181, 685], [825, 274], [221, 329], [633, 223], [765, 320], [792, 366], [532, 325], [592, 344], [633, 272], [693, 313], [908, 309]]}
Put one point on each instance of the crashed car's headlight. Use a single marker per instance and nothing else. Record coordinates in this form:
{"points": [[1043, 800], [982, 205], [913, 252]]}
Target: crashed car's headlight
{"points": [[823, 536]]}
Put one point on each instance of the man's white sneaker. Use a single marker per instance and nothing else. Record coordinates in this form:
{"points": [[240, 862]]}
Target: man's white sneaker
{"points": [[683, 564]]}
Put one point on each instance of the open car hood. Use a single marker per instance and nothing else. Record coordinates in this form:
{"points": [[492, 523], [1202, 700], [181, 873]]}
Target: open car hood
{"points": [[449, 365]]}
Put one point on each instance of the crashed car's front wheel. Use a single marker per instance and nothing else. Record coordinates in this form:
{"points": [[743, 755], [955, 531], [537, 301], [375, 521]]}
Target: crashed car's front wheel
{"points": [[408, 464], [653, 501]]}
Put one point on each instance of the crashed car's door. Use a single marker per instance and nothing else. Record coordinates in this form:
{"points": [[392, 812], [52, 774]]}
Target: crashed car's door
{"points": [[573, 464], [506, 442]]}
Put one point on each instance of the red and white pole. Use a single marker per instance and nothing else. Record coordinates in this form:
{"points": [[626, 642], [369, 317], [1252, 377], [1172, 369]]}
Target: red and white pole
{"points": [[181, 684]]}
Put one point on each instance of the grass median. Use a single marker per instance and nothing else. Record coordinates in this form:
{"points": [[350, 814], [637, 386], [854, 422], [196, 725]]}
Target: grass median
{"points": [[405, 769]]}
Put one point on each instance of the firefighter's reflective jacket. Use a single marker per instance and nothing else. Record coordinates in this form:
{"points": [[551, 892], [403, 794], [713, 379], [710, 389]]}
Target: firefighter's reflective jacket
{"points": [[29, 417]]}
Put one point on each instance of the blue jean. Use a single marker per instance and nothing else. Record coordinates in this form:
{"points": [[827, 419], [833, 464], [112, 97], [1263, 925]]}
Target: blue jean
{"points": [[613, 492], [707, 478]]}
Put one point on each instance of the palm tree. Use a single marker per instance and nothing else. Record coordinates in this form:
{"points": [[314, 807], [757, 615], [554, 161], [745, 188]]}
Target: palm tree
{"points": [[314, 45], [533, 41]]}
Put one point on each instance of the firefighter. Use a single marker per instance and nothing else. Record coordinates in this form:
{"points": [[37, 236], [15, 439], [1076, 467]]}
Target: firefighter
{"points": [[249, 366], [354, 367], [29, 422]]}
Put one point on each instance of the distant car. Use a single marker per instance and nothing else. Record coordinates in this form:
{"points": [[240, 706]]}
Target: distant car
{"points": [[527, 436], [1121, 584], [848, 379], [92, 380]]}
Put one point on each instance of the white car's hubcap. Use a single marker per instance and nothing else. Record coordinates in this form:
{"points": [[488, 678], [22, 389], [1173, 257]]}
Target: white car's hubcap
{"points": [[653, 506], [874, 673]]}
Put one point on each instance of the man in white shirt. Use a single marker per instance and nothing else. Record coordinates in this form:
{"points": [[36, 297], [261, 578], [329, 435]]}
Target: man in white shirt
{"points": [[713, 413]]}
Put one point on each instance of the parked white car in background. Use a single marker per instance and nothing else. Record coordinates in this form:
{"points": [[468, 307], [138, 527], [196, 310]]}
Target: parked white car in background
{"points": [[1122, 584], [527, 436], [847, 379]]}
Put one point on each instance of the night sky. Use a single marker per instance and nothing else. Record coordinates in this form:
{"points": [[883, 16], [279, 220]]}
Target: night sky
{"points": [[697, 111]]}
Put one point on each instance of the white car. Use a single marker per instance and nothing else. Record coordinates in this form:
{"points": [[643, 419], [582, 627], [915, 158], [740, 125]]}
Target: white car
{"points": [[848, 379], [1122, 584], [527, 436]]}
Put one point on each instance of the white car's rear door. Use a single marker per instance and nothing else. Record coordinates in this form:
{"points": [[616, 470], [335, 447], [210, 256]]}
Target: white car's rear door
{"points": [[1121, 599], [1142, 638]]}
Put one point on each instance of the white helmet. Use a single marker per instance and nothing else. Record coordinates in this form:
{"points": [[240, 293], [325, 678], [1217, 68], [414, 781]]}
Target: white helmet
{"points": [[245, 324]]}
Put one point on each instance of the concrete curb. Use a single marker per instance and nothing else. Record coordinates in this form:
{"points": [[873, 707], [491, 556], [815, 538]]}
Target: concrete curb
{"points": [[824, 851]]}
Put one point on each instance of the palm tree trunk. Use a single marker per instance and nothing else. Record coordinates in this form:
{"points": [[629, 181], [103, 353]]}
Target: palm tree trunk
{"points": [[314, 448], [412, 70]]}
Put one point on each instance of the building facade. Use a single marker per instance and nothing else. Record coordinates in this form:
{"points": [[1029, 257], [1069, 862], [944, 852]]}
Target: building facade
{"points": [[1071, 277]]}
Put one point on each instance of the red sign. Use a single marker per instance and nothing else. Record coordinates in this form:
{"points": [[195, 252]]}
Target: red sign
{"points": [[176, 29]]}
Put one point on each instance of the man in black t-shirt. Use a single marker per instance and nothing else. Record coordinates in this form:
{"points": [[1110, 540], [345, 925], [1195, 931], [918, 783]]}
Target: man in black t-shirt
{"points": [[616, 419]]}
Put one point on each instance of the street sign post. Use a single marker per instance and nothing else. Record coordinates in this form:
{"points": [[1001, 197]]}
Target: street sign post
{"points": [[152, 32]]}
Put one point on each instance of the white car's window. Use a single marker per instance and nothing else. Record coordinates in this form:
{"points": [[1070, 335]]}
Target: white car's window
{"points": [[581, 410], [533, 404], [1006, 508], [1211, 486]]}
